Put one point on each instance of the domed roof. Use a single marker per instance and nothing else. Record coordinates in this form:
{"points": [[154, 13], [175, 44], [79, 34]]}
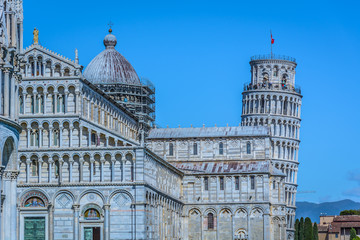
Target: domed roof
{"points": [[110, 67]]}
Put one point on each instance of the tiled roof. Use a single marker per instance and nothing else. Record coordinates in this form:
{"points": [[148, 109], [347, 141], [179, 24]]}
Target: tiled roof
{"points": [[161, 133], [227, 167]]}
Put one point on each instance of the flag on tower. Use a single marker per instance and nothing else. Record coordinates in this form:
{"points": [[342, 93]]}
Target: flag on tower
{"points": [[272, 40]]}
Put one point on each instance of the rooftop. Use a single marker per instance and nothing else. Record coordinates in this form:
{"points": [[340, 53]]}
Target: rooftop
{"points": [[206, 132], [228, 167], [273, 57]]}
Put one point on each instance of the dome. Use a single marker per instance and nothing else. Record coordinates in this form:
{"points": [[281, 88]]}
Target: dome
{"points": [[110, 67]]}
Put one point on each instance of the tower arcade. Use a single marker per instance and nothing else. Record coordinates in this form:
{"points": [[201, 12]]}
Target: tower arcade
{"points": [[272, 99]]}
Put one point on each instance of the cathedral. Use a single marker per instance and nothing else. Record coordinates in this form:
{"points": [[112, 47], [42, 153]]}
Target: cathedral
{"points": [[82, 158]]}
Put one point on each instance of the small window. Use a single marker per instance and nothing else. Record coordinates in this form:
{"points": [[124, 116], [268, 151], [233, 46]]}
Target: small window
{"points": [[210, 217], [222, 184], [195, 150], [206, 183], [248, 148], [252, 180], [237, 183], [171, 149], [274, 185], [221, 148]]}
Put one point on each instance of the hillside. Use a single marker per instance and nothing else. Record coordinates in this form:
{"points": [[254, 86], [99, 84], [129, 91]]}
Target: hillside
{"points": [[314, 210]]}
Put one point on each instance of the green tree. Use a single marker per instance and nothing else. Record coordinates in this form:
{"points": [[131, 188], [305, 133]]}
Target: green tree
{"points": [[350, 212], [301, 229], [308, 229], [297, 228], [352, 234], [315, 232]]}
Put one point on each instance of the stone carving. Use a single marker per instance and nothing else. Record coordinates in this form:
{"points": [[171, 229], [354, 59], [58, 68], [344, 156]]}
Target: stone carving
{"points": [[64, 201], [122, 200]]}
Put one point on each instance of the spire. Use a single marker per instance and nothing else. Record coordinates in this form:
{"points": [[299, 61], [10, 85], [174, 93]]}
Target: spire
{"points": [[76, 56]]}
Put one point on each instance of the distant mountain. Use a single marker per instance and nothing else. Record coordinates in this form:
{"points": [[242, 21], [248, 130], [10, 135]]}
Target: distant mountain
{"points": [[314, 210]]}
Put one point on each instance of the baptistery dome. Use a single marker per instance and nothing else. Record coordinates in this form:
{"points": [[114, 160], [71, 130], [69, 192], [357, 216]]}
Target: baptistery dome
{"points": [[110, 67]]}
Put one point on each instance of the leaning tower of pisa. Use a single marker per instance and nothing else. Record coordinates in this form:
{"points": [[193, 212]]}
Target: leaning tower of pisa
{"points": [[272, 99]]}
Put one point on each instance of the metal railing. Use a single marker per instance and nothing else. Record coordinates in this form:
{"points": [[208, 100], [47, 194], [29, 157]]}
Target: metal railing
{"points": [[272, 56], [272, 86]]}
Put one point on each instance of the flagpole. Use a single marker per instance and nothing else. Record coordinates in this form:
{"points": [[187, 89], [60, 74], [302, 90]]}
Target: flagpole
{"points": [[271, 56]]}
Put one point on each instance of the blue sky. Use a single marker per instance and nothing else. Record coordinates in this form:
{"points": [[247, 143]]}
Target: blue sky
{"points": [[197, 54]]}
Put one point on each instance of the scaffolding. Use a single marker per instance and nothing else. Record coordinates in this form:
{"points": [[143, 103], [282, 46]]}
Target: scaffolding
{"points": [[139, 99]]}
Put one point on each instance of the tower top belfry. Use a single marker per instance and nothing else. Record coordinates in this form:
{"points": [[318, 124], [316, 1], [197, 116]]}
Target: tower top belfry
{"points": [[272, 71]]}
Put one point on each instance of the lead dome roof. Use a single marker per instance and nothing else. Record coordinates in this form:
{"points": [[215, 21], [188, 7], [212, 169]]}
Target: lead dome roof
{"points": [[110, 67]]}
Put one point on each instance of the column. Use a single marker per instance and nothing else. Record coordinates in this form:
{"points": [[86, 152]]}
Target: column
{"points": [[66, 100], [6, 93], [28, 170], [76, 208], [61, 136], [45, 100], [71, 164], [70, 136], [106, 221], [80, 135], [112, 171], [1, 187], [55, 96], [40, 137], [81, 163], [89, 137], [107, 141], [51, 162], [50, 136], [40, 162], [77, 102], [15, 98], [13, 200], [91, 169], [51, 222], [28, 137], [102, 162], [61, 162], [266, 226]]}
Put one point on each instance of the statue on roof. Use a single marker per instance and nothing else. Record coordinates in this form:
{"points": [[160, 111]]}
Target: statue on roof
{"points": [[36, 36]]}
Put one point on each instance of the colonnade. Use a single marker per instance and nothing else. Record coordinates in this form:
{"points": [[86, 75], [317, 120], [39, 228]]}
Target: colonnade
{"points": [[38, 101], [165, 216], [271, 104], [285, 150], [65, 135], [38, 67], [227, 188], [279, 127], [76, 169]]}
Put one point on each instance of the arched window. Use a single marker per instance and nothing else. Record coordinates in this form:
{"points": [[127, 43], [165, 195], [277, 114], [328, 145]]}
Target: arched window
{"points": [[252, 182], [93, 139], [57, 169], [210, 218], [34, 141], [275, 72], [34, 168], [206, 183], [21, 104], [32, 104], [221, 148], [195, 149], [171, 149], [248, 148], [56, 137]]}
